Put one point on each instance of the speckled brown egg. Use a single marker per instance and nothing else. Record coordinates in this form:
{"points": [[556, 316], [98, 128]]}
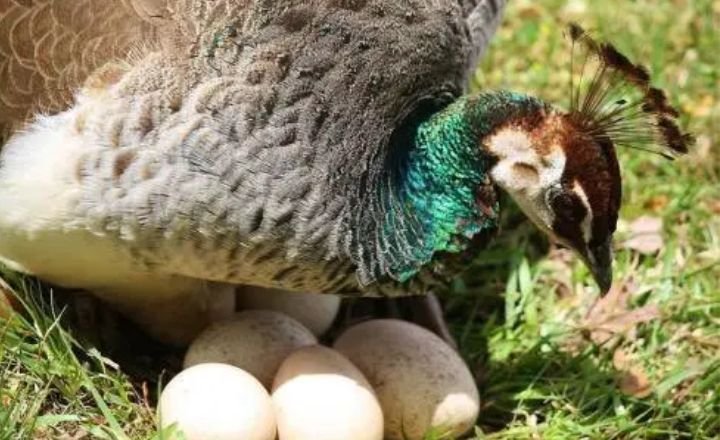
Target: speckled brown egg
{"points": [[421, 382], [255, 340], [319, 395], [315, 311]]}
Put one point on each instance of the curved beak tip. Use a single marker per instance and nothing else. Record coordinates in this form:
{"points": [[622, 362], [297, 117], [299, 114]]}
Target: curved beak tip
{"points": [[600, 264], [603, 278]]}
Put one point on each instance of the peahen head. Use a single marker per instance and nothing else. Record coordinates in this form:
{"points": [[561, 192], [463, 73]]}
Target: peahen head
{"points": [[565, 181], [561, 166]]}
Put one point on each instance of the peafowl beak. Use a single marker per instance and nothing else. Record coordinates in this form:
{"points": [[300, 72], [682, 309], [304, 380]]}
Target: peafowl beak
{"points": [[599, 261]]}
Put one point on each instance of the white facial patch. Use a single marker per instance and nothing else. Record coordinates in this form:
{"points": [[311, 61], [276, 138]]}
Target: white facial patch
{"points": [[586, 225], [525, 174]]}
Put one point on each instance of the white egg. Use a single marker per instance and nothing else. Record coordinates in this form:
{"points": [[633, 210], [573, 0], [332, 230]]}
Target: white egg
{"points": [[422, 383], [315, 311], [319, 395], [217, 402], [255, 340]]}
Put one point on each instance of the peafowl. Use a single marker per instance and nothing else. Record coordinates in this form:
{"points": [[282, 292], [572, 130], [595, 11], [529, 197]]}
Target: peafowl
{"points": [[159, 153]]}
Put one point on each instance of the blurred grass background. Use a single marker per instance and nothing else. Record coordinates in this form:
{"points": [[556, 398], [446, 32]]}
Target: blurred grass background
{"points": [[521, 315]]}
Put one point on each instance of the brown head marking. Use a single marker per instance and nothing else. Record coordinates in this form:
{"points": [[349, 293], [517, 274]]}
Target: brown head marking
{"points": [[591, 162]]}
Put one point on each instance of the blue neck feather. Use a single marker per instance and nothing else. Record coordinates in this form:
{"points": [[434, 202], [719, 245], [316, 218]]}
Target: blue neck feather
{"points": [[430, 206]]}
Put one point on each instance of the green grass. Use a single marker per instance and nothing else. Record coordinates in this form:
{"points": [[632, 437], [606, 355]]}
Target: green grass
{"points": [[518, 315], [51, 386]]}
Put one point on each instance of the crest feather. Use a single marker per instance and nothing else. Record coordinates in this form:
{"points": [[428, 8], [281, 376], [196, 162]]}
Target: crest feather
{"points": [[617, 101]]}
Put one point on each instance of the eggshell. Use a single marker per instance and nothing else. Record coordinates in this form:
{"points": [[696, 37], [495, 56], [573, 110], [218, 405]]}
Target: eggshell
{"points": [[217, 402], [255, 340], [420, 381], [315, 311], [319, 395]]}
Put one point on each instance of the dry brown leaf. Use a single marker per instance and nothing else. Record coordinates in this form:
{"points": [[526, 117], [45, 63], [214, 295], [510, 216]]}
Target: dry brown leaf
{"points": [[530, 11], [632, 379], [611, 316], [645, 235], [715, 206], [7, 303], [634, 382], [657, 203]]}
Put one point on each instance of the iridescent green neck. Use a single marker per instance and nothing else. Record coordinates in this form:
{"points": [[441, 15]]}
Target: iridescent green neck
{"points": [[431, 204]]}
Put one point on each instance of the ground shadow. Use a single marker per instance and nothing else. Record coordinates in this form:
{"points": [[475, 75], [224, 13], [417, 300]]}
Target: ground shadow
{"points": [[527, 383]]}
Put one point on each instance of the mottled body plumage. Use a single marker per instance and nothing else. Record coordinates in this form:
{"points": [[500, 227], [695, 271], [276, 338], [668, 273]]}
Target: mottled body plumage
{"points": [[227, 144]]}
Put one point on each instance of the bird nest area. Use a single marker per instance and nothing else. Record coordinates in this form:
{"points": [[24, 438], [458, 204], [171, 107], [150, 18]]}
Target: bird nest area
{"points": [[550, 359]]}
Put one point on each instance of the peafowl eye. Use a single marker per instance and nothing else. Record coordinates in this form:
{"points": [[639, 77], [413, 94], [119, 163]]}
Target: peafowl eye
{"points": [[160, 153]]}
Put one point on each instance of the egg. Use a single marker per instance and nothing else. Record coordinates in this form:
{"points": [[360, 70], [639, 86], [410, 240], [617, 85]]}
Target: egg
{"points": [[256, 341], [422, 383], [315, 311], [319, 395], [217, 402]]}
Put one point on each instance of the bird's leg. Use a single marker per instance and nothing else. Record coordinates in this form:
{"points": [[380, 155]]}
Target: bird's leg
{"points": [[424, 310]]}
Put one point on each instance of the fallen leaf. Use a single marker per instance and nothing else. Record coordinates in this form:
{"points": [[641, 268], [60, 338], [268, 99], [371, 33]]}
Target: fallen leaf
{"points": [[634, 382], [631, 379], [7, 302], [657, 203], [715, 206], [645, 235], [530, 11], [611, 315]]}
